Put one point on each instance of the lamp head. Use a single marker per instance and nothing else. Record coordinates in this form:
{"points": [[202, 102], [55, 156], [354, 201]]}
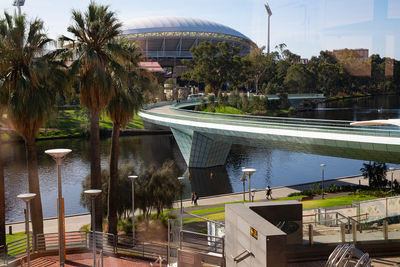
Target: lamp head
{"points": [[27, 196], [132, 177], [322, 165], [391, 169], [181, 178], [58, 153], [249, 170], [92, 192], [268, 9]]}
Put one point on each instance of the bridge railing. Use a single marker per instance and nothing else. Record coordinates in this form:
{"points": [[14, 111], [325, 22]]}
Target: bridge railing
{"points": [[334, 126]]}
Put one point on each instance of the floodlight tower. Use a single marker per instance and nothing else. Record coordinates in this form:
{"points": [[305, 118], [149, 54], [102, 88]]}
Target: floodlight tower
{"points": [[18, 4], [269, 22]]}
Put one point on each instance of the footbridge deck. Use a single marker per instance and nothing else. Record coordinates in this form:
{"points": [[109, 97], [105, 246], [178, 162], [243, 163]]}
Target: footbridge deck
{"points": [[205, 138]]}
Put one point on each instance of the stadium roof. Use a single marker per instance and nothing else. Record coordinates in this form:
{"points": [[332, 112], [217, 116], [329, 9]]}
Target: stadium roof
{"points": [[177, 24]]}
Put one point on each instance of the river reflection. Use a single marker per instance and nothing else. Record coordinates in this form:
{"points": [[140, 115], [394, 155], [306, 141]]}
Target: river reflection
{"points": [[274, 167]]}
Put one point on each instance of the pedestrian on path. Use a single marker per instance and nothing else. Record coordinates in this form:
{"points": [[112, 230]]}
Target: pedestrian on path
{"points": [[268, 192], [192, 197], [196, 197]]}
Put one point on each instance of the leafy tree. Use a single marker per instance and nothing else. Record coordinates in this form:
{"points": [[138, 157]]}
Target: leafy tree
{"points": [[156, 189], [28, 75], [128, 83], [376, 174], [94, 52], [298, 79], [2, 193]]}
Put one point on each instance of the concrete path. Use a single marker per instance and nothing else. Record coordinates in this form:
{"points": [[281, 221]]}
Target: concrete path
{"points": [[75, 222]]}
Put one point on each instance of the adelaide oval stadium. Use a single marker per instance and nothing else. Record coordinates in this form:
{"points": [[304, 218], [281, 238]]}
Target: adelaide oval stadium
{"points": [[167, 40]]}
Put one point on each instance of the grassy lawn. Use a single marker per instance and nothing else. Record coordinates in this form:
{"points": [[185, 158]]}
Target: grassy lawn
{"points": [[228, 110], [14, 237], [204, 211], [335, 201]]}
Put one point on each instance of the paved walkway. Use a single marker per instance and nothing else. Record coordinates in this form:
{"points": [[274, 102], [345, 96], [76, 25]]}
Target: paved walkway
{"points": [[74, 223]]}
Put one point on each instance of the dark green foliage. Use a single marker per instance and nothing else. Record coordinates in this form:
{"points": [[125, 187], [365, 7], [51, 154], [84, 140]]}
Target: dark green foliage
{"points": [[376, 174]]}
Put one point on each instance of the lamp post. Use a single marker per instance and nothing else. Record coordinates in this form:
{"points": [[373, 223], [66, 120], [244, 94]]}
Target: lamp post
{"points": [[133, 177], [181, 180], [93, 193], [26, 198], [58, 155], [249, 172], [323, 174], [243, 179], [268, 9], [391, 184], [18, 4]]}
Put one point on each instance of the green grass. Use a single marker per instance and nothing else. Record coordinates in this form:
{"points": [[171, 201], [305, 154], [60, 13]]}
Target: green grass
{"points": [[290, 198], [14, 237], [210, 210], [227, 109], [335, 201]]}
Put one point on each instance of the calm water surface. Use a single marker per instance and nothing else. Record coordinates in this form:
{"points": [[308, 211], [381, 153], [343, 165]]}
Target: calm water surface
{"points": [[274, 167]]}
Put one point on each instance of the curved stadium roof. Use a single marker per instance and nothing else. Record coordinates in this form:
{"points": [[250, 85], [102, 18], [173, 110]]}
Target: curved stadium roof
{"points": [[178, 24]]}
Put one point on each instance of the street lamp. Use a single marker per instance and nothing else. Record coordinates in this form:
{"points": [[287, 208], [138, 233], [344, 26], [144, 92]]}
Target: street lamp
{"points": [[26, 198], [181, 180], [58, 155], [93, 193], [323, 174], [133, 177], [18, 4], [249, 172], [391, 184], [268, 9], [243, 179]]}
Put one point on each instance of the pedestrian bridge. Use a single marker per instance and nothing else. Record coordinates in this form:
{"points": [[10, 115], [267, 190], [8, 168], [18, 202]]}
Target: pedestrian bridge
{"points": [[205, 139]]}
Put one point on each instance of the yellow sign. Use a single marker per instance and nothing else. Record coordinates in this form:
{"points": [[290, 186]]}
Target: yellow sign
{"points": [[253, 233]]}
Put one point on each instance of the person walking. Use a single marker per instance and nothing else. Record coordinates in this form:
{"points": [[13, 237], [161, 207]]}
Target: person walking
{"points": [[268, 192], [193, 194], [196, 197]]}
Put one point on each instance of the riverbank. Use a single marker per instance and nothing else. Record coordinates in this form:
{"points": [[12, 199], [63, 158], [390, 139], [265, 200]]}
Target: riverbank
{"points": [[75, 222]]}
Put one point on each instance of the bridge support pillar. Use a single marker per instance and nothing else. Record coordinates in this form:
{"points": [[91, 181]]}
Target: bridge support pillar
{"points": [[201, 150]]}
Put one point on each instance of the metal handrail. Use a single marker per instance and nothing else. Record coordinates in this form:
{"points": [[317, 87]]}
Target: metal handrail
{"points": [[242, 256], [159, 260], [203, 218]]}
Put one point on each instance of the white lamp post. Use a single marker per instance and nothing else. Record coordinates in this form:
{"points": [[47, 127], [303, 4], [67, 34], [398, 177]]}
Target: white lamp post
{"points": [[391, 184], [249, 172], [93, 193], [181, 180], [133, 177], [58, 155], [243, 179], [268, 9], [323, 178], [26, 198]]}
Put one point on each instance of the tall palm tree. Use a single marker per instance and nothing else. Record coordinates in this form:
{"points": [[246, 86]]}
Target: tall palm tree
{"points": [[93, 53], [2, 194], [29, 77], [127, 98]]}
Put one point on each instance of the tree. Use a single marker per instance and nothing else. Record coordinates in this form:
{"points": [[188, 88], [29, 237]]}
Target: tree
{"points": [[29, 80], [94, 53], [298, 79], [126, 100], [376, 174], [214, 65], [2, 193], [156, 189]]}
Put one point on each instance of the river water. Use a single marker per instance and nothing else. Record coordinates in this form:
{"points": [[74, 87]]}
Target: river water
{"points": [[274, 167]]}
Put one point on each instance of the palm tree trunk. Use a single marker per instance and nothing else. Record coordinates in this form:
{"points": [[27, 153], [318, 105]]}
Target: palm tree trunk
{"points": [[113, 182], [95, 167], [2, 201], [34, 187]]}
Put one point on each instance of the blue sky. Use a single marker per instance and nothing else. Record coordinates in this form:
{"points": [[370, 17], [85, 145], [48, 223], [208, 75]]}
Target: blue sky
{"points": [[306, 26]]}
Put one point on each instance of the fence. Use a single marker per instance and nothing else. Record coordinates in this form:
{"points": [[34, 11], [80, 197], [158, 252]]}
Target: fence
{"points": [[380, 208]]}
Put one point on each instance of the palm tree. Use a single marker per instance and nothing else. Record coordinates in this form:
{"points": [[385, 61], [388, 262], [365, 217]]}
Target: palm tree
{"points": [[127, 98], [2, 194], [29, 77], [93, 53]]}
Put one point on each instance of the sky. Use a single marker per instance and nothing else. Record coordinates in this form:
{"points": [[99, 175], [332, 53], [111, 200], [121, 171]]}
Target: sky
{"points": [[305, 26]]}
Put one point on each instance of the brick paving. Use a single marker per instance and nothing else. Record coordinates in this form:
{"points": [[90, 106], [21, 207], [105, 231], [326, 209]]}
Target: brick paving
{"points": [[86, 259]]}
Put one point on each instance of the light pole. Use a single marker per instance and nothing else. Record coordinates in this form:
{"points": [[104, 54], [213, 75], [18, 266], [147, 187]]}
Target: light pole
{"points": [[249, 172], [26, 198], [243, 179], [93, 193], [133, 177], [18, 4], [323, 174], [181, 181], [58, 155], [391, 184], [269, 22]]}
